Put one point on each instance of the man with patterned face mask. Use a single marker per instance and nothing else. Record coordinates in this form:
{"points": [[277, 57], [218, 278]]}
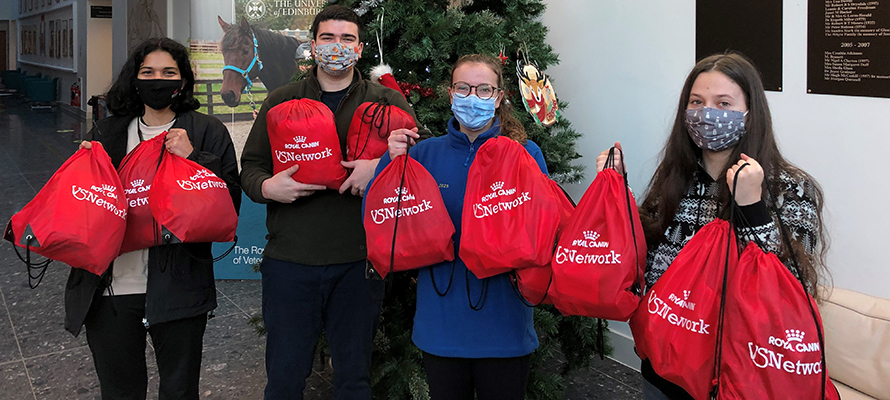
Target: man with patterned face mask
{"points": [[314, 262]]}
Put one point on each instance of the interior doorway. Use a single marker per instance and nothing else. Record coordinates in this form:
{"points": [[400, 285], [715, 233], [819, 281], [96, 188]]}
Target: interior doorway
{"points": [[3, 50]]}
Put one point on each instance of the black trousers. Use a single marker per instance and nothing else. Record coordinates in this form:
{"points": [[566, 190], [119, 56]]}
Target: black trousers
{"points": [[301, 301], [116, 335], [489, 378]]}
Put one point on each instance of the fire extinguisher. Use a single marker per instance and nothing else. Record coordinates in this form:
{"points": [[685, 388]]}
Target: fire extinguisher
{"points": [[75, 94]]}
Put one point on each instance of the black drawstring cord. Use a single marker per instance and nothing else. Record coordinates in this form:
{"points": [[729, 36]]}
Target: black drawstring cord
{"points": [[369, 268], [450, 279], [640, 283], [220, 257], [212, 259], [720, 328], [392, 253], [514, 282], [34, 278], [483, 295], [514, 277], [375, 115], [105, 283], [786, 237]]}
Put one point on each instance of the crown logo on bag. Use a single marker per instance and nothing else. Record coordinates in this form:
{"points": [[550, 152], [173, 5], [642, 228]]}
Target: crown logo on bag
{"points": [[300, 139], [108, 188], [497, 186], [794, 335], [591, 235], [686, 294], [137, 183], [202, 173], [402, 190]]}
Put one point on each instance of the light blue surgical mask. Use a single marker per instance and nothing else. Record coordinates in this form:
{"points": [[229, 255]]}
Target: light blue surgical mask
{"points": [[471, 111]]}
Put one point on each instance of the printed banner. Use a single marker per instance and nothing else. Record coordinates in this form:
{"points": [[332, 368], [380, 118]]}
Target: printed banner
{"points": [[241, 50]]}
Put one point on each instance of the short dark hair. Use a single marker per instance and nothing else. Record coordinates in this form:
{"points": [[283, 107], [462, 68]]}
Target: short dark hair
{"points": [[337, 12], [123, 99]]}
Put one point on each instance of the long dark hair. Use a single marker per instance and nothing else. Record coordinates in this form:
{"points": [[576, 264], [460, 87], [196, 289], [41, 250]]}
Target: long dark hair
{"points": [[510, 126], [122, 98], [679, 161]]}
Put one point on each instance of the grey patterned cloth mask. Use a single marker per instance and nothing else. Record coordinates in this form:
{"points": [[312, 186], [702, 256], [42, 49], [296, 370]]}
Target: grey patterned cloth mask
{"points": [[713, 129], [335, 58]]}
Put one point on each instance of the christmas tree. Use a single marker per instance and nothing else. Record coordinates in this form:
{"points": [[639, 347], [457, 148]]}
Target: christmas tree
{"points": [[421, 39]]}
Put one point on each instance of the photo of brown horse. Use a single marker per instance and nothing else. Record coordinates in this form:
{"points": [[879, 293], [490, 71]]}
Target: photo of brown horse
{"points": [[251, 52]]}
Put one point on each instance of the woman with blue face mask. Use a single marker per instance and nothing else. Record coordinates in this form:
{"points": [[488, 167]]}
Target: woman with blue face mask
{"points": [[723, 122], [469, 353]]}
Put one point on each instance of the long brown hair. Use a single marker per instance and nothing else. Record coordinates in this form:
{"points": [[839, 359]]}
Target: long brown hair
{"points": [[510, 126], [679, 161]]}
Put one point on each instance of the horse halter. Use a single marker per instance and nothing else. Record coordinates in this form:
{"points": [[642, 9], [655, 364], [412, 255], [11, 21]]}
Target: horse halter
{"points": [[255, 61]]}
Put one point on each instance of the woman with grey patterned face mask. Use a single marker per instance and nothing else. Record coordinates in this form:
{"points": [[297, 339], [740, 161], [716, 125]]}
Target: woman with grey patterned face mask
{"points": [[723, 123]]}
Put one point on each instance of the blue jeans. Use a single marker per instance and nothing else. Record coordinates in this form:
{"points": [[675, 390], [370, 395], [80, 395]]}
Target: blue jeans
{"points": [[301, 300]]}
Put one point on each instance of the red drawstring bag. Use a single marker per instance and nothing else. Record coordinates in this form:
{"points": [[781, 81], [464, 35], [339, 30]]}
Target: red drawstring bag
{"points": [[302, 131], [137, 171], [600, 257], [191, 204], [406, 223], [510, 215], [78, 217], [675, 327], [533, 283], [772, 345], [370, 127]]}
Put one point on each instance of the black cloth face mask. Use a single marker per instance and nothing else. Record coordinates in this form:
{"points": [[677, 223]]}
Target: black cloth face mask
{"points": [[158, 93]]}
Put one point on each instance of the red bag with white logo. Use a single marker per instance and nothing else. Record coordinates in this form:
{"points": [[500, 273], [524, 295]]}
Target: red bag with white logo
{"points": [[510, 213], [191, 204], [302, 132], [370, 127], [533, 283], [772, 343], [675, 327], [137, 171], [600, 257], [406, 223], [78, 217]]}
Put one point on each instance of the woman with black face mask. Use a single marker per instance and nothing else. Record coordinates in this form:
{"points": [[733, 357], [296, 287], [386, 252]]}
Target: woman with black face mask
{"points": [[165, 291]]}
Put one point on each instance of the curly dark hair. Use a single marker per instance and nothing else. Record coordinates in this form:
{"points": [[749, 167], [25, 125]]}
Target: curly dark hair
{"points": [[122, 98]]}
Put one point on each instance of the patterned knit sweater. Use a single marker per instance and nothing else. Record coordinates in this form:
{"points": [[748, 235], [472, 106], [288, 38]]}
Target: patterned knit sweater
{"points": [[795, 202]]}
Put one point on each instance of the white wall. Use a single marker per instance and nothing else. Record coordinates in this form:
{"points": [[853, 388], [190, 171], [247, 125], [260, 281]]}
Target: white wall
{"points": [[179, 20], [622, 68], [99, 71], [206, 27]]}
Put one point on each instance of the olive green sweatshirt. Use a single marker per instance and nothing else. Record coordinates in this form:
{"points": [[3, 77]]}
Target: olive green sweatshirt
{"points": [[326, 227]]}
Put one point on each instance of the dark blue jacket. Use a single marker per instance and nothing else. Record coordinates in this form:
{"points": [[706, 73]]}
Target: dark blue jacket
{"points": [[447, 326]]}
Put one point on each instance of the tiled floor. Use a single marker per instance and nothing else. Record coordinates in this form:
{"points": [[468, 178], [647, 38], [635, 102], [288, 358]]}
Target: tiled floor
{"points": [[40, 360]]}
